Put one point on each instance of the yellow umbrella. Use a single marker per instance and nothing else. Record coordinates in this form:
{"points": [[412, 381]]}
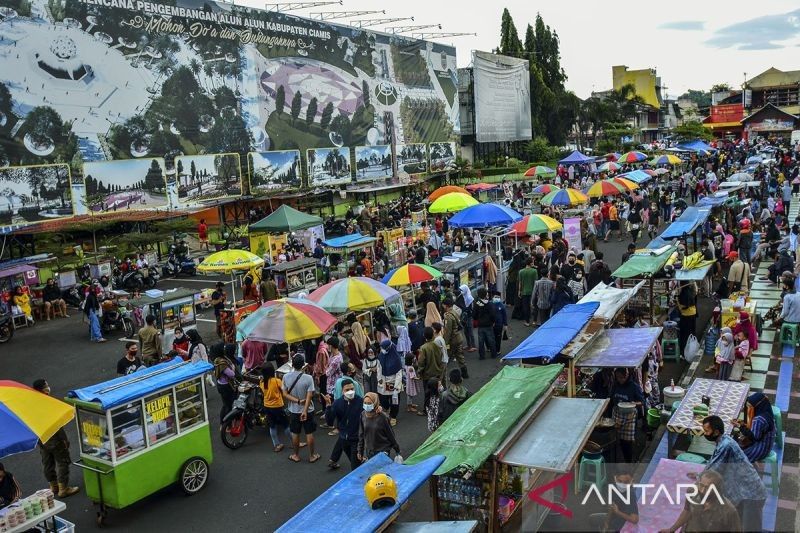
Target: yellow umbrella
{"points": [[452, 202], [230, 261], [628, 184], [447, 189]]}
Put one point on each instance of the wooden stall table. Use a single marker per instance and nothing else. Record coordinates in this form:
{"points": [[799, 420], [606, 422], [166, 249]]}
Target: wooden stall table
{"points": [[731, 315], [660, 512], [727, 400]]}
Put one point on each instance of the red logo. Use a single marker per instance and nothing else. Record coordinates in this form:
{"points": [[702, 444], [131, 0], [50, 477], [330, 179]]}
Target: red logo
{"points": [[561, 481]]}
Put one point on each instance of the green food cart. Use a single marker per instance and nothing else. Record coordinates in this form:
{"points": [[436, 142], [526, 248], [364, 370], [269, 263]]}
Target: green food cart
{"points": [[142, 432]]}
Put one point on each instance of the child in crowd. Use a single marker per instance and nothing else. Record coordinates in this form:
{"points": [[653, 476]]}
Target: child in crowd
{"points": [[740, 354], [413, 384], [433, 388], [723, 354]]}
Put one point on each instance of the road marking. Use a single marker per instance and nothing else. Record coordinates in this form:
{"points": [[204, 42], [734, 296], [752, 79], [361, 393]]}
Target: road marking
{"points": [[206, 320], [125, 339]]}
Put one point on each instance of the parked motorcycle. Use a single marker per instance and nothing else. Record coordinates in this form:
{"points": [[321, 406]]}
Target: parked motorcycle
{"points": [[178, 264], [6, 328], [74, 295], [150, 276], [116, 317], [246, 414], [131, 280]]}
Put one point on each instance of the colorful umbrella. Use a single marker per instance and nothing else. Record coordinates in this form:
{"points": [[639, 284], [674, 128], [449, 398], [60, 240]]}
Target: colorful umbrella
{"points": [[660, 171], [27, 415], [484, 216], [480, 187], [605, 188], [631, 157], [535, 224], [411, 273], [540, 171], [352, 294], [564, 197], [650, 172], [666, 159], [452, 202], [628, 184], [609, 166], [545, 189], [740, 176], [230, 260], [447, 189], [286, 320], [613, 156]]}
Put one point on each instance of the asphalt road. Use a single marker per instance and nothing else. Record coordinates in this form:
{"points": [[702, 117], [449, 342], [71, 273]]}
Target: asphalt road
{"points": [[250, 489]]}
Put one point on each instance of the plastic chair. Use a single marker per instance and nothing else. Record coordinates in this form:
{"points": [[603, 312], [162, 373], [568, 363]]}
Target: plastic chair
{"points": [[790, 333], [774, 472], [687, 457], [776, 414], [592, 471], [674, 351], [19, 320]]}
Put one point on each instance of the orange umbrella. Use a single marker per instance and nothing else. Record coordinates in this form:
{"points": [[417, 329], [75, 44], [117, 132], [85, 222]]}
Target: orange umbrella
{"points": [[447, 189]]}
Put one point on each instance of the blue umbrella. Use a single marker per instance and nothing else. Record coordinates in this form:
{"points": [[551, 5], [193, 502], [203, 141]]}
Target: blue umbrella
{"points": [[484, 216]]}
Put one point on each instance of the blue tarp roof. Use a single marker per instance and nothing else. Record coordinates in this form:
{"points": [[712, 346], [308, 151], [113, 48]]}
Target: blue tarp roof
{"points": [[484, 216], [556, 333], [122, 390], [636, 176], [657, 243], [687, 223], [577, 158], [343, 507], [696, 146], [712, 201], [348, 241]]}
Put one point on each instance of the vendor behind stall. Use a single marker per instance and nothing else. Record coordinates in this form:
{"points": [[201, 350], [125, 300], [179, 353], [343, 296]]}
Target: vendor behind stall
{"points": [[626, 390], [9, 488]]}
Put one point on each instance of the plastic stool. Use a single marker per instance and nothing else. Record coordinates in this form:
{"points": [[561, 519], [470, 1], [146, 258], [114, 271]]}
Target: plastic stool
{"points": [[776, 414], [691, 458], [789, 333], [674, 351], [588, 477], [774, 472]]}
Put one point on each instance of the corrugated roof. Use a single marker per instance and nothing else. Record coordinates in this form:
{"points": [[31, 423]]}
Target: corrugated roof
{"points": [[773, 77]]}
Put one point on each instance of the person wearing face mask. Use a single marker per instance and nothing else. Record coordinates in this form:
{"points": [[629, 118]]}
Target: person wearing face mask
{"points": [[130, 362], [347, 415], [568, 269], [577, 284], [390, 379], [375, 433], [626, 390], [369, 371], [55, 455], [180, 344], [707, 513], [500, 329], [621, 509], [742, 483]]}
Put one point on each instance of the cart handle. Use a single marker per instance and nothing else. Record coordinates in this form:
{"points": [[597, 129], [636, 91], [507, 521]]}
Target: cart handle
{"points": [[80, 464]]}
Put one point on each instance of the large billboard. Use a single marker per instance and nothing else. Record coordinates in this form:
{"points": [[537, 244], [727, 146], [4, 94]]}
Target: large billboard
{"points": [[34, 193], [502, 98], [103, 80]]}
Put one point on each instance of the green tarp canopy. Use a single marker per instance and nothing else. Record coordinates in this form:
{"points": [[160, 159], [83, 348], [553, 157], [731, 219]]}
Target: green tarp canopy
{"points": [[645, 263], [285, 219], [476, 429]]}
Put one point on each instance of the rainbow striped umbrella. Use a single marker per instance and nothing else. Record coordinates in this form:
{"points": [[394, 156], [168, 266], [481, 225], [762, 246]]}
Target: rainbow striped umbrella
{"points": [[609, 166], [540, 171], [447, 189], [27, 416], [628, 184], [612, 156], [286, 320], [605, 188], [452, 202], [564, 197], [666, 159], [352, 294], [535, 224], [632, 157], [650, 172], [409, 274], [545, 189], [480, 187]]}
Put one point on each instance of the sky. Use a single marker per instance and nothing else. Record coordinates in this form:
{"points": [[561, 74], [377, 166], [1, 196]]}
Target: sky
{"points": [[691, 44]]}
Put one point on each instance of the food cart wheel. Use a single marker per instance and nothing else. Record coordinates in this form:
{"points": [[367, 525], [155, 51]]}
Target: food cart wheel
{"points": [[101, 516], [194, 475]]}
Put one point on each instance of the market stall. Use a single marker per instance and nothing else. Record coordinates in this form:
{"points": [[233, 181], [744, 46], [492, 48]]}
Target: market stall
{"points": [[611, 299], [725, 399], [476, 482], [154, 420], [731, 309], [269, 235], [294, 277], [171, 308], [345, 507], [645, 264], [343, 252], [463, 268]]}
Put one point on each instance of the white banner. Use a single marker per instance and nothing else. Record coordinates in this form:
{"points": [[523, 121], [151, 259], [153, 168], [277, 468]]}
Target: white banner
{"points": [[502, 98]]}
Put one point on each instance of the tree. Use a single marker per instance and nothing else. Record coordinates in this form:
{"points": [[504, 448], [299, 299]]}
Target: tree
{"points": [[280, 99], [297, 104], [154, 179], [720, 87], [327, 113], [5, 97], [701, 98], [230, 134], [530, 43], [44, 125], [691, 130], [224, 97], [510, 45], [311, 111], [365, 93], [342, 125]]}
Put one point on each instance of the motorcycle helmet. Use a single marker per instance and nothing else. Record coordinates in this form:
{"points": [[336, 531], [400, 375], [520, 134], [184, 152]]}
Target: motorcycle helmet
{"points": [[745, 223], [380, 490]]}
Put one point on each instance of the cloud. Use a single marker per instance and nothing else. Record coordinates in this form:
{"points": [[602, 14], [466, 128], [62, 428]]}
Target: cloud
{"points": [[683, 25], [760, 33]]}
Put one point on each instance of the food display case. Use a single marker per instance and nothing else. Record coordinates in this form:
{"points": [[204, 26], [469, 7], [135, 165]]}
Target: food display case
{"points": [[294, 277], [463, 268], [172, 308]]}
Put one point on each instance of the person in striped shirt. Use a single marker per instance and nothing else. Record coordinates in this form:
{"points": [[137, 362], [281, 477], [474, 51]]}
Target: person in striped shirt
{"points": [[757, 438]]}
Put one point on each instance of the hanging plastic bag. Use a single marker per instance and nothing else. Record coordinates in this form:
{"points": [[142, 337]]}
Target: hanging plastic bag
{"points": [[692, 349], [398, 459]]}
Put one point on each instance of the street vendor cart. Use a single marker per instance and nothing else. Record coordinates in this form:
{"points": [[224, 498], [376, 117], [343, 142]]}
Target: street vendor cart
{"points": [[463, 269], [142, 432], [342, 252], [172, 308], [294, 277]]}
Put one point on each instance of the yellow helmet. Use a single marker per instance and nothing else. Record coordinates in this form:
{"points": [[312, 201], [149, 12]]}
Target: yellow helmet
{"points": [[380, 490]]}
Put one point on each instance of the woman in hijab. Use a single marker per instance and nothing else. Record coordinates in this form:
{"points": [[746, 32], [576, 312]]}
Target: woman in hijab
{"points": [[390, 379], [397, 314], [758, 436], [723, 354], [197, 349], [491, 273], [375, 433], [9, 488], [358, 343], [432, 315], [464, 302]]}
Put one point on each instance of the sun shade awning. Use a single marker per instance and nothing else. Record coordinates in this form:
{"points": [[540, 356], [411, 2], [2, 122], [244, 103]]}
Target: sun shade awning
{"points": [[644, 263], [620, 348], [610, 298], [555, 334]]}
